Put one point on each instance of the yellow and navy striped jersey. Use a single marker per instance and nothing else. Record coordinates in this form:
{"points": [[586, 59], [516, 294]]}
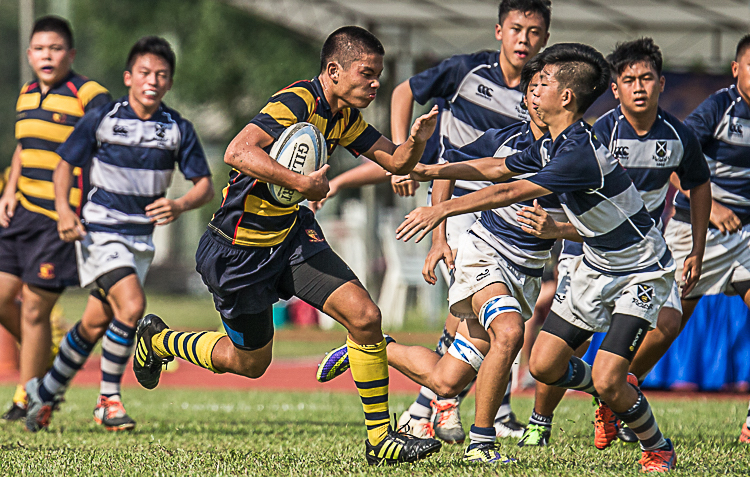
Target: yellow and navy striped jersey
{"points": [[249, 216], [43, 122]]}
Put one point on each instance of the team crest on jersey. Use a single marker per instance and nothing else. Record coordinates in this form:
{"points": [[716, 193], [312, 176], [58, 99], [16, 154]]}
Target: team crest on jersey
{"points": [[662, 152], [644, 296], [60, 118], [47, 271], [161, 130], [314, 236]]}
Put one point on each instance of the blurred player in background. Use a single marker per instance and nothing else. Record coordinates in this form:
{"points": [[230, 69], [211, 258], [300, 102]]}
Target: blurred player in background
{"points": [[131, 146], [34, 262], [257, 250], [481, 91], [651, 145], [722, 124]]}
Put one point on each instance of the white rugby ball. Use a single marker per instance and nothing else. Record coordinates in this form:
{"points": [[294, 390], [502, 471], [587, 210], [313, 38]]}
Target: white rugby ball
{"points": [[300, 148]]}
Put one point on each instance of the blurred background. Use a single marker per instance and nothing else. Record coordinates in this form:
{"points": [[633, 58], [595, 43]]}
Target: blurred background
{"points": [[233, 54]]}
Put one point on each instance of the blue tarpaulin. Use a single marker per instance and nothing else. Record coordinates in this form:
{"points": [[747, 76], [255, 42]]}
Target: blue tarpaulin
{"points": [[711, 354]]}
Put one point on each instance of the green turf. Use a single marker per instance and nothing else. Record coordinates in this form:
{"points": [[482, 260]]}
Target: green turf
{"points": [[297, 434]]}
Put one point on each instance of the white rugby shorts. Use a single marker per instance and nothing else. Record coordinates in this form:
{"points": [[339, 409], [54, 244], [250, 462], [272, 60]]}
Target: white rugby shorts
{"points": [[479, 265], [454, 227], [587, 298], [101, 252], [725, 261]]}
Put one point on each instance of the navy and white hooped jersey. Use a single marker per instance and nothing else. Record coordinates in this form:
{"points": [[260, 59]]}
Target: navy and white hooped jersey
{"points": [[599, 199], [477, 98], [508, 238], [722, 124], [132, 161], [649, 160]]}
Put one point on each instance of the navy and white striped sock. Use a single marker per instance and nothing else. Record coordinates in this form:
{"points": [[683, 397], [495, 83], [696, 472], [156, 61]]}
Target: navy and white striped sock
{"points": [[539, 420], [578, 377], [74, 351], [640, 420], [117, 346], [480, 435]]}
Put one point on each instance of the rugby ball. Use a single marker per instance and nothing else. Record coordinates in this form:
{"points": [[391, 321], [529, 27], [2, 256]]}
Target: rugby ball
{"points": [[300, 148]]}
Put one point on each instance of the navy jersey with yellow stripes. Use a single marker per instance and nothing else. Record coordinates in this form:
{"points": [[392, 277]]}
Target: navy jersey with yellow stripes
{"points": [[249, 216], [43, 122]]}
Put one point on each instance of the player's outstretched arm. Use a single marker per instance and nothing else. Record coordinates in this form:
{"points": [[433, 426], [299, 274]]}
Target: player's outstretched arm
{"points": [[423, 219], [402, 107], [364, 174], [482, 169], [245, 153], [69, 226], [164, 211], [8, 200], [402, 159], [537, 222], [700, 211]]}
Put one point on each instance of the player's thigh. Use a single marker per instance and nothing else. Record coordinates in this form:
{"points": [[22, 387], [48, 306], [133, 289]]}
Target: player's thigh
{"points": [[250, 332], [327, 283], [10, 286]]}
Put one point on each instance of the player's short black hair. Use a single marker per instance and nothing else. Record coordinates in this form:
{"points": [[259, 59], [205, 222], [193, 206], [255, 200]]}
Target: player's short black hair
{"points": [[347, 44], [152, 45], [631, 52], [542, 7], [581, 68], [55, 24], [532, 67], [743, 45]]}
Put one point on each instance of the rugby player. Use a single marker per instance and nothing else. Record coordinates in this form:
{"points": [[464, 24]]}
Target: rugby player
{"points": [[651, 144], [626, 271], [257, 250], [34, 263], [131, 147], [721, 123]]}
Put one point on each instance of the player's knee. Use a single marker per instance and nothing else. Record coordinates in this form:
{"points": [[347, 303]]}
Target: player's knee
{"points": [[447, 388], [541, 371], [509, 336], [608, 386], [669, 325], [254, 366], [130, 312], [367, 318]]}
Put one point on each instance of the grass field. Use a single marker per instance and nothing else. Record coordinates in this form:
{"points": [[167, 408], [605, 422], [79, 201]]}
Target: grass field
{"points": [[190, 432]]}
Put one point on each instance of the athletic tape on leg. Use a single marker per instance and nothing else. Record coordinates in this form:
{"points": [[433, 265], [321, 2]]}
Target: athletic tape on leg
{"points": [[463, 350], [496, 306]]}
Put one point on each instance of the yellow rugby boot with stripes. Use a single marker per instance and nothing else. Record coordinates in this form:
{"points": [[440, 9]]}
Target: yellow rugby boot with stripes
{"points": [[146, 363], [399, 447]]}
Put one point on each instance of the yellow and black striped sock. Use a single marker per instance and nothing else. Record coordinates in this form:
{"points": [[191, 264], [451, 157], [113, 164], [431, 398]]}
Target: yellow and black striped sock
{"points": [[193, 347], [19, 397], [369, 367]]}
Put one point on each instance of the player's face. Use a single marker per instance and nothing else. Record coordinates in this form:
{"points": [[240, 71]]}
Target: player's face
{"points": [[547, 97], [358, 85], [528, 100], [148, 82], [522, 36], [741, 71], [49, 57], [638, 88]]}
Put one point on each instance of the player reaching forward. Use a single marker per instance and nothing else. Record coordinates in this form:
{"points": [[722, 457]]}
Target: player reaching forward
{"points": [[257, 250], [131, 145], [650, 144], [626, 272]]}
